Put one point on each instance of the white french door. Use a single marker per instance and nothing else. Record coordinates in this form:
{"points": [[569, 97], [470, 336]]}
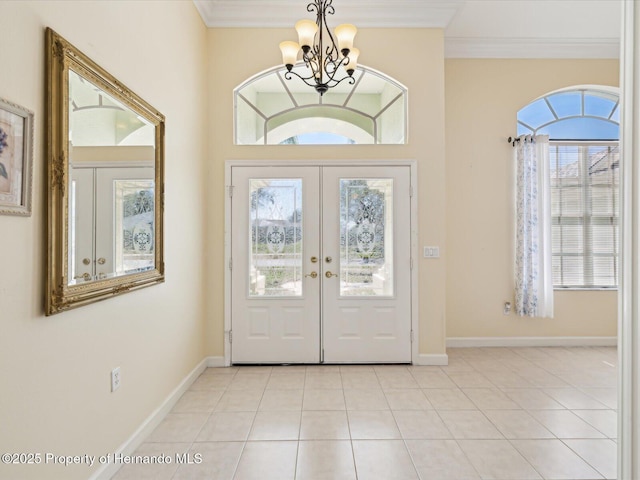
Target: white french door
{"points": [[111, 221], [366, 289], [320, 264], [275, 231]]}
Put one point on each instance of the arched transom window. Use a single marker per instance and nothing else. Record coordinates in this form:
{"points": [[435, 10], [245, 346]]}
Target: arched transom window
{"points": [[583, 128], [586, 113], [270, 110]]}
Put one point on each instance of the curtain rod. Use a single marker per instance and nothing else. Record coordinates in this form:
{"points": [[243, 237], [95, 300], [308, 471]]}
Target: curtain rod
{"points": [[513, 140]]}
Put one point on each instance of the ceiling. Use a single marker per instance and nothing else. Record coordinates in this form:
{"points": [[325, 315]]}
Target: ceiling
{"points": [[473, 28]]}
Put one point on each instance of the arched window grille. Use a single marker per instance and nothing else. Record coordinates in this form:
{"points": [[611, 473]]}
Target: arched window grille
{"points": [[586, 113], [270, 110]]}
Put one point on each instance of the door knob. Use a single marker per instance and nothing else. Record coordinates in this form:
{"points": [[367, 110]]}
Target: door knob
{"points": [[86, 261], [86, 277], [329, 274], [312, 275], [328, 259], [102, 261], [314, 259]]}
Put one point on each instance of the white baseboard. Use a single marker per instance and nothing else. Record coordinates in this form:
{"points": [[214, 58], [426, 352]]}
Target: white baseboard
{"points": [[132, 443], [462, 342], [215, 362], [438, 359]]}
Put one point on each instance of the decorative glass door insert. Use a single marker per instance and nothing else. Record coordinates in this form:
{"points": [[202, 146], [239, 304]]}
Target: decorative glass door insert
{"points": [[366, 237], [134, 225], [275, 265]]}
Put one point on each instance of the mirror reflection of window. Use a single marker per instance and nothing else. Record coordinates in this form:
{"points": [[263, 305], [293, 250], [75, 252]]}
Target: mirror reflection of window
{"points": [[97, 119]]}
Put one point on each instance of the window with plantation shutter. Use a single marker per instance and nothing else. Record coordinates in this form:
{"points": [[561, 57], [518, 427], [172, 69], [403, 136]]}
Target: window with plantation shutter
{"points": [[583, 126], [584, 213]]}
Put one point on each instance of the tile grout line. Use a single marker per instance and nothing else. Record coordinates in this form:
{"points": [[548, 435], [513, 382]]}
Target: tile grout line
{"points": [[346, 414], [194, 441], [304, 384], [247, 440], [581, 457], [562, 355]]}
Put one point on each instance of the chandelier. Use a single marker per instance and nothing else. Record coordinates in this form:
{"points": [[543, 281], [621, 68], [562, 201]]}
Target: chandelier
{"points": [[323, 61]]}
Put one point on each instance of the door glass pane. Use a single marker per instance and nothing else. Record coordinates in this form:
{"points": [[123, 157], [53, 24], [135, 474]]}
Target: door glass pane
{"points": [[275, 259], [134, 226], [366, 237]]}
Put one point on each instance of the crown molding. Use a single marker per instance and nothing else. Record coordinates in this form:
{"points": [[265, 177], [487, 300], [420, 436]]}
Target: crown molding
{"points": [[404, 14], [284, 13], [468, 47]]}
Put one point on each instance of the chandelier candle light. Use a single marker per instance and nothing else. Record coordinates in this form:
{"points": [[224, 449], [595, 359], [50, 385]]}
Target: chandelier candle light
{"points": [[323, 62]]}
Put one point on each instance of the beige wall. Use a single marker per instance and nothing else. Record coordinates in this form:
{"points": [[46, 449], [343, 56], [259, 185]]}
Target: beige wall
{"points": [[229, 51], [55, 371], [482, 100]]}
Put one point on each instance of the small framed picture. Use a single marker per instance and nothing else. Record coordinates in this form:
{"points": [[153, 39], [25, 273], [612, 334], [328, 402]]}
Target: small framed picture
{"points": [[16, 159]]}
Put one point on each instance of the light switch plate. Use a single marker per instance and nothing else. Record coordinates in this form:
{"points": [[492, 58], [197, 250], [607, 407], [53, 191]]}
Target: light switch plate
{"points": [[431, 252]]}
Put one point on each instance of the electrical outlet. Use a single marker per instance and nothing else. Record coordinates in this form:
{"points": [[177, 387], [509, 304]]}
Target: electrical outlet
{"points": [[115, 379], [507, 308]]}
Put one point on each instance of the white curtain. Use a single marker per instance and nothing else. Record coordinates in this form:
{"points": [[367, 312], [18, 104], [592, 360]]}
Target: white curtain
{"points": [[534, 280]]}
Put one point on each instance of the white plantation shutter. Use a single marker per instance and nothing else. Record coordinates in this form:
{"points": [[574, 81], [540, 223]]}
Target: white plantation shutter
{"points": [[584, 212]]}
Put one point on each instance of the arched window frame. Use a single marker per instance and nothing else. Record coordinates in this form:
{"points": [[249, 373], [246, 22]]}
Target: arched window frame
{"points": [[609, 93], [586, 148], [351, 122]]}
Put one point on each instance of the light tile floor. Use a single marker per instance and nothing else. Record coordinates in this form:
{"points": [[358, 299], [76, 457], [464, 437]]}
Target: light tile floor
{"points": [[492, 413]]}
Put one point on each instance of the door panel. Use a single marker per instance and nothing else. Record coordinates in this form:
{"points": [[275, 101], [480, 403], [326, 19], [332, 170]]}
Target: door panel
{"points": [[366, 301], [81, 212], [275, 232]]}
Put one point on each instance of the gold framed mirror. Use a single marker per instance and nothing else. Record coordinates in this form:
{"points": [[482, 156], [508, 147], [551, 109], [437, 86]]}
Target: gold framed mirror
{"points": [[105, 155]]}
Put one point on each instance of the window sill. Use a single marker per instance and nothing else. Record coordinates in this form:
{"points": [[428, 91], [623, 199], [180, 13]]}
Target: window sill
{"points": [[579, 289]]}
